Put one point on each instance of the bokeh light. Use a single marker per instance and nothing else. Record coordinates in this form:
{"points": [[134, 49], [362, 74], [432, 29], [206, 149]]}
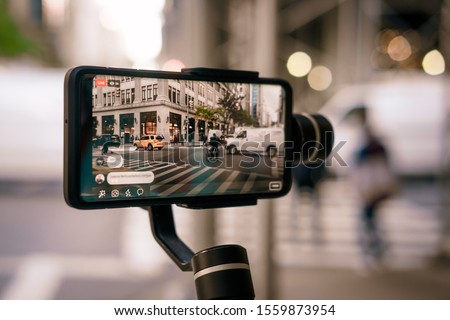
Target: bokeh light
{"points": [[433, 63], [173, 65], [384, 38], [399, 48], [320, 78], [138, 24], [299, 64]]}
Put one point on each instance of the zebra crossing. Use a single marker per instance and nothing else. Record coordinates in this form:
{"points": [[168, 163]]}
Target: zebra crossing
{"points": [[143, 165], [172, 179]]}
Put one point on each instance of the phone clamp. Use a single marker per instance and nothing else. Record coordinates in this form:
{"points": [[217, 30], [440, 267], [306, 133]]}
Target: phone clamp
{"points": [[221, 73]]}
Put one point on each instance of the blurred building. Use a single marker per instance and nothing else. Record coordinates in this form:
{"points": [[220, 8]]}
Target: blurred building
{"points": [[353, 39]]}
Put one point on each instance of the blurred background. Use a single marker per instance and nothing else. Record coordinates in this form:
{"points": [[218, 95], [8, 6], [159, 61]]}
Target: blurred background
{"points": [[386, 59]]}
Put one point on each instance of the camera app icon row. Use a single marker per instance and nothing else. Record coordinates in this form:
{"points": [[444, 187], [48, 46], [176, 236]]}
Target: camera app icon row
{"points": [[118, 192]]}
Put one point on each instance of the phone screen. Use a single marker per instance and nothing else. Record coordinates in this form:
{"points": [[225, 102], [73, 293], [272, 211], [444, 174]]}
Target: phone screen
{"points": [[154, 138]]}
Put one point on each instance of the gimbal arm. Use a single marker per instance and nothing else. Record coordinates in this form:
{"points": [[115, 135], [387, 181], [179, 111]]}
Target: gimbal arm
{"points": [[163, 228]]}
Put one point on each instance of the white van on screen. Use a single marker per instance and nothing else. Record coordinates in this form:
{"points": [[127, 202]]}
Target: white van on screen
{"points": [[260, 140]]}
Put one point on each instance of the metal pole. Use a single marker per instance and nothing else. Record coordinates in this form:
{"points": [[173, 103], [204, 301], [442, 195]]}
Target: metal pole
{"points": [[265, 62], [444, 34]]}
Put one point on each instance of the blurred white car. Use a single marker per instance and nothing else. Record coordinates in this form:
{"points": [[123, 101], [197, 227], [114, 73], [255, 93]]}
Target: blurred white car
{"points": [[407, 111]]}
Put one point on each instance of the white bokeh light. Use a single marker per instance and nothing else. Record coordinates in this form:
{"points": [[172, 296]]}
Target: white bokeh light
{"points": [[433, 63], [138, 24], [299, 64]]}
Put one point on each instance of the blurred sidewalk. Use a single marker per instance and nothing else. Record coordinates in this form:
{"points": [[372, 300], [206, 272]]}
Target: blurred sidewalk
{"points": [[432, 282], [319, 258], [324, 233], [51, 251]]}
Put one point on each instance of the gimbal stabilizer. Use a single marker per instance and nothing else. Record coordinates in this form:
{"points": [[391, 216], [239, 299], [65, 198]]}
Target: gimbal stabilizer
{"points": [[223, 272]]}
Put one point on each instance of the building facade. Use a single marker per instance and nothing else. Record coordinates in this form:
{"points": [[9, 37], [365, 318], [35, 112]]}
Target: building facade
{"points": [[132, 106]]}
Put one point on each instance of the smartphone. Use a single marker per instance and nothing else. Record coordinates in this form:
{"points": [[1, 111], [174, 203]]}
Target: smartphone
{"points": [[143, 138]]}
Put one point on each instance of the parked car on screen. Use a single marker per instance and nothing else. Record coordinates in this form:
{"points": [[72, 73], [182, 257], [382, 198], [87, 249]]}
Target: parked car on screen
{"points": [[150, 142], [112, 139], [262, 140]]}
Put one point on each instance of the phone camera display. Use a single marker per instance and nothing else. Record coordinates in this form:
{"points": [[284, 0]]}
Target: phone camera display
{"points": [[159, 137]]}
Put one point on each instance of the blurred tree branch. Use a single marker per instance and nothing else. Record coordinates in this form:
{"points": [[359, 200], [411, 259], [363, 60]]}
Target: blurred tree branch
{"points": [[12, 42]]}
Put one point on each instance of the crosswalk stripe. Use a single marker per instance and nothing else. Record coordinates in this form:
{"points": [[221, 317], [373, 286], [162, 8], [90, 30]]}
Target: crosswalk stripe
{"points": [[226, 184], [249, 183], [142, 165], [180, 184], [160, 172], [202, 185], [136, 164], [277, 169], [161, 165], [172, 178]]}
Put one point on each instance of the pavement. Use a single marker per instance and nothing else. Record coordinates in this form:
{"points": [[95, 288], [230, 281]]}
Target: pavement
{"points": [[432, 282], [51, 251]]}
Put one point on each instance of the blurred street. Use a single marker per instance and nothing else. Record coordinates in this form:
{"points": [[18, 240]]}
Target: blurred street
{"points": [[325, 235], [50, 251], [376, 69], [320, 257]]}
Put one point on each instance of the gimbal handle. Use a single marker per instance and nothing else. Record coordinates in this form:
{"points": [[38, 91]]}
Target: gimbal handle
{"points": [[221, 272]]}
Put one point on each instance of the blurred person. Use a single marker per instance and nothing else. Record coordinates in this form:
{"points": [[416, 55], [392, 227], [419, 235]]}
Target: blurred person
{"points": [[105, 147], [307, 179], [214, 141], [374, 183]]}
